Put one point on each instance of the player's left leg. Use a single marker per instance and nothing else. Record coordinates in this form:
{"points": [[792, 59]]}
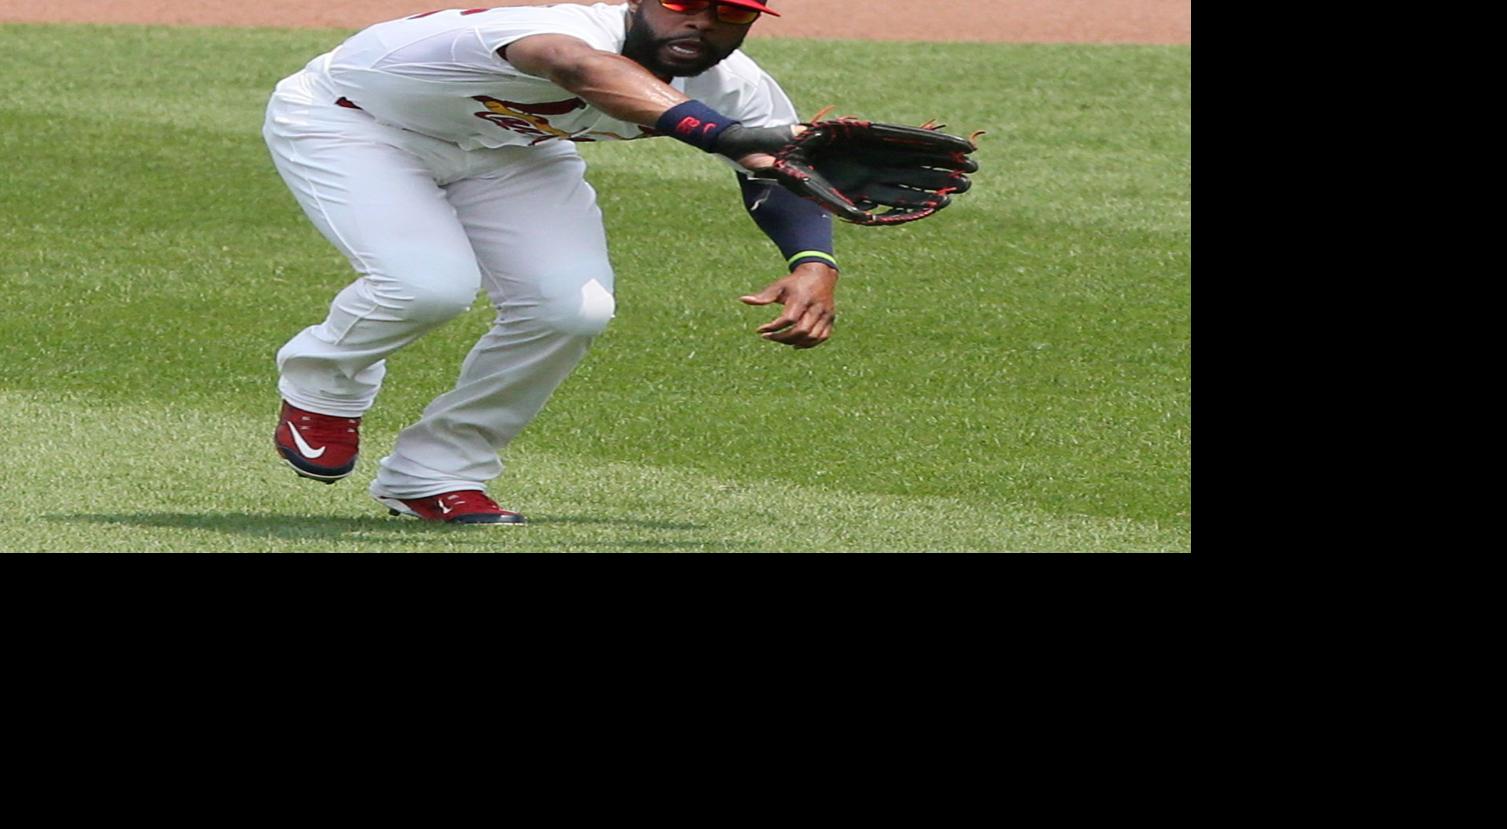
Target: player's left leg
{"points": [[538, 237]]}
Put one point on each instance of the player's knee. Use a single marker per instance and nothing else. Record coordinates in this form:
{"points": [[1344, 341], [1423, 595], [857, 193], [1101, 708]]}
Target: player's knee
{"points": [[582, 314], [438, 304], [438, 293]]}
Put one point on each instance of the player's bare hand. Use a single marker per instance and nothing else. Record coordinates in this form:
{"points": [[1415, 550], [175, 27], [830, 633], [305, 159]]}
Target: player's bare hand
{"points": [[808, 295]]}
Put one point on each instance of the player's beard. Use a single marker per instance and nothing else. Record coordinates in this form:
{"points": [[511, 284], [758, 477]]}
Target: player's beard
{"points": [[642, 47]]}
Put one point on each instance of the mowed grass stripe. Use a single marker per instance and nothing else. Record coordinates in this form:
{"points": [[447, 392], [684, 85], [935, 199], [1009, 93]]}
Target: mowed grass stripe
{"points": [[234, 496], [1029, 350]]}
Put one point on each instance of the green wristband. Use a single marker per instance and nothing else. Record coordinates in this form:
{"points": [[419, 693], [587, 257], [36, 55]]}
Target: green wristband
{"points": [[811, 254]]}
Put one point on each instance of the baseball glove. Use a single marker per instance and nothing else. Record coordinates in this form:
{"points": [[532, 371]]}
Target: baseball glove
{"points": [[871, 173]]}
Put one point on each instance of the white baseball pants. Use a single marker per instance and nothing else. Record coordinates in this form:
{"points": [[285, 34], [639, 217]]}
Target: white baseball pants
{"points": [[426, 225]]}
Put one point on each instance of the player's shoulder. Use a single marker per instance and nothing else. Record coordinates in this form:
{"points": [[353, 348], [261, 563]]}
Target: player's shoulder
{"points": [[609, 15], [601, 24], [605, 16]]}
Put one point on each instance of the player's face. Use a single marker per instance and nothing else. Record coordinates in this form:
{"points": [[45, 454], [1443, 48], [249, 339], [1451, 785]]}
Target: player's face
{"points": [[679, 44]]}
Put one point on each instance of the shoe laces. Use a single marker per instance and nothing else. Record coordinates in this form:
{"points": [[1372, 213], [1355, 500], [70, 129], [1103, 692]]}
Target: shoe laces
{"points": [[326, 429], [470, 502]]}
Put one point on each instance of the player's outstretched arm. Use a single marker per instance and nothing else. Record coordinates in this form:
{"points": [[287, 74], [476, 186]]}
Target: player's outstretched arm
{"points": [[610, 82], [627, 91], [803, 233]]}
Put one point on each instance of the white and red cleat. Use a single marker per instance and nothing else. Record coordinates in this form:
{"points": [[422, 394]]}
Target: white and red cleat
{"points": [[462, 506], [320, 447]]}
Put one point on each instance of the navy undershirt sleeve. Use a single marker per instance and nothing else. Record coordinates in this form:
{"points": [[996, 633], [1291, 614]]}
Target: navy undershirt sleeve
{"points": [[800, 228]]}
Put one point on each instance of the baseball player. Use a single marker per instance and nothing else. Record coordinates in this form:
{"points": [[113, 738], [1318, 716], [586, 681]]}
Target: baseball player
{"points": [[437, 153]]}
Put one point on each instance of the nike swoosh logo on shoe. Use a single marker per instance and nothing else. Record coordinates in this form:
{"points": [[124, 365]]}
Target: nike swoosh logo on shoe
{"points": [[303, 446], [446, 510]]}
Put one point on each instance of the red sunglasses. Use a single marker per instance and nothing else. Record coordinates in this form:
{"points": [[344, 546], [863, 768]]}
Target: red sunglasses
{"points": [[737, 15]]}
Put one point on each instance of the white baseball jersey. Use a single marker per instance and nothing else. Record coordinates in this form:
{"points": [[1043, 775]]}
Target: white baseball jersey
{"points": [[439, 74], [439, 169]]}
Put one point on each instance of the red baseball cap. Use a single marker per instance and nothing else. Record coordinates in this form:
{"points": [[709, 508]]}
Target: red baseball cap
{"points": [[750, 4]]}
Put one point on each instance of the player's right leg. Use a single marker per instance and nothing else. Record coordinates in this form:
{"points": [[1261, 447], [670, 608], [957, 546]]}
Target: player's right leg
{"points": [[371, 191], [537, 230]]}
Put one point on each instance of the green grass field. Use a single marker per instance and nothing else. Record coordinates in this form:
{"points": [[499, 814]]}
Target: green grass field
{"points": [[1012, 375]]}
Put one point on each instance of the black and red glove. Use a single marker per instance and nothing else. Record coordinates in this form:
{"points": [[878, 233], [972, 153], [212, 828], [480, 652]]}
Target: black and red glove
{"points": [[864, 172]]}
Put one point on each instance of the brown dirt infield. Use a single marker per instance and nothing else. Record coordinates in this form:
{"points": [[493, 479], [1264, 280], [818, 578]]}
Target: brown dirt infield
{"points": [[1019, 21]]}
